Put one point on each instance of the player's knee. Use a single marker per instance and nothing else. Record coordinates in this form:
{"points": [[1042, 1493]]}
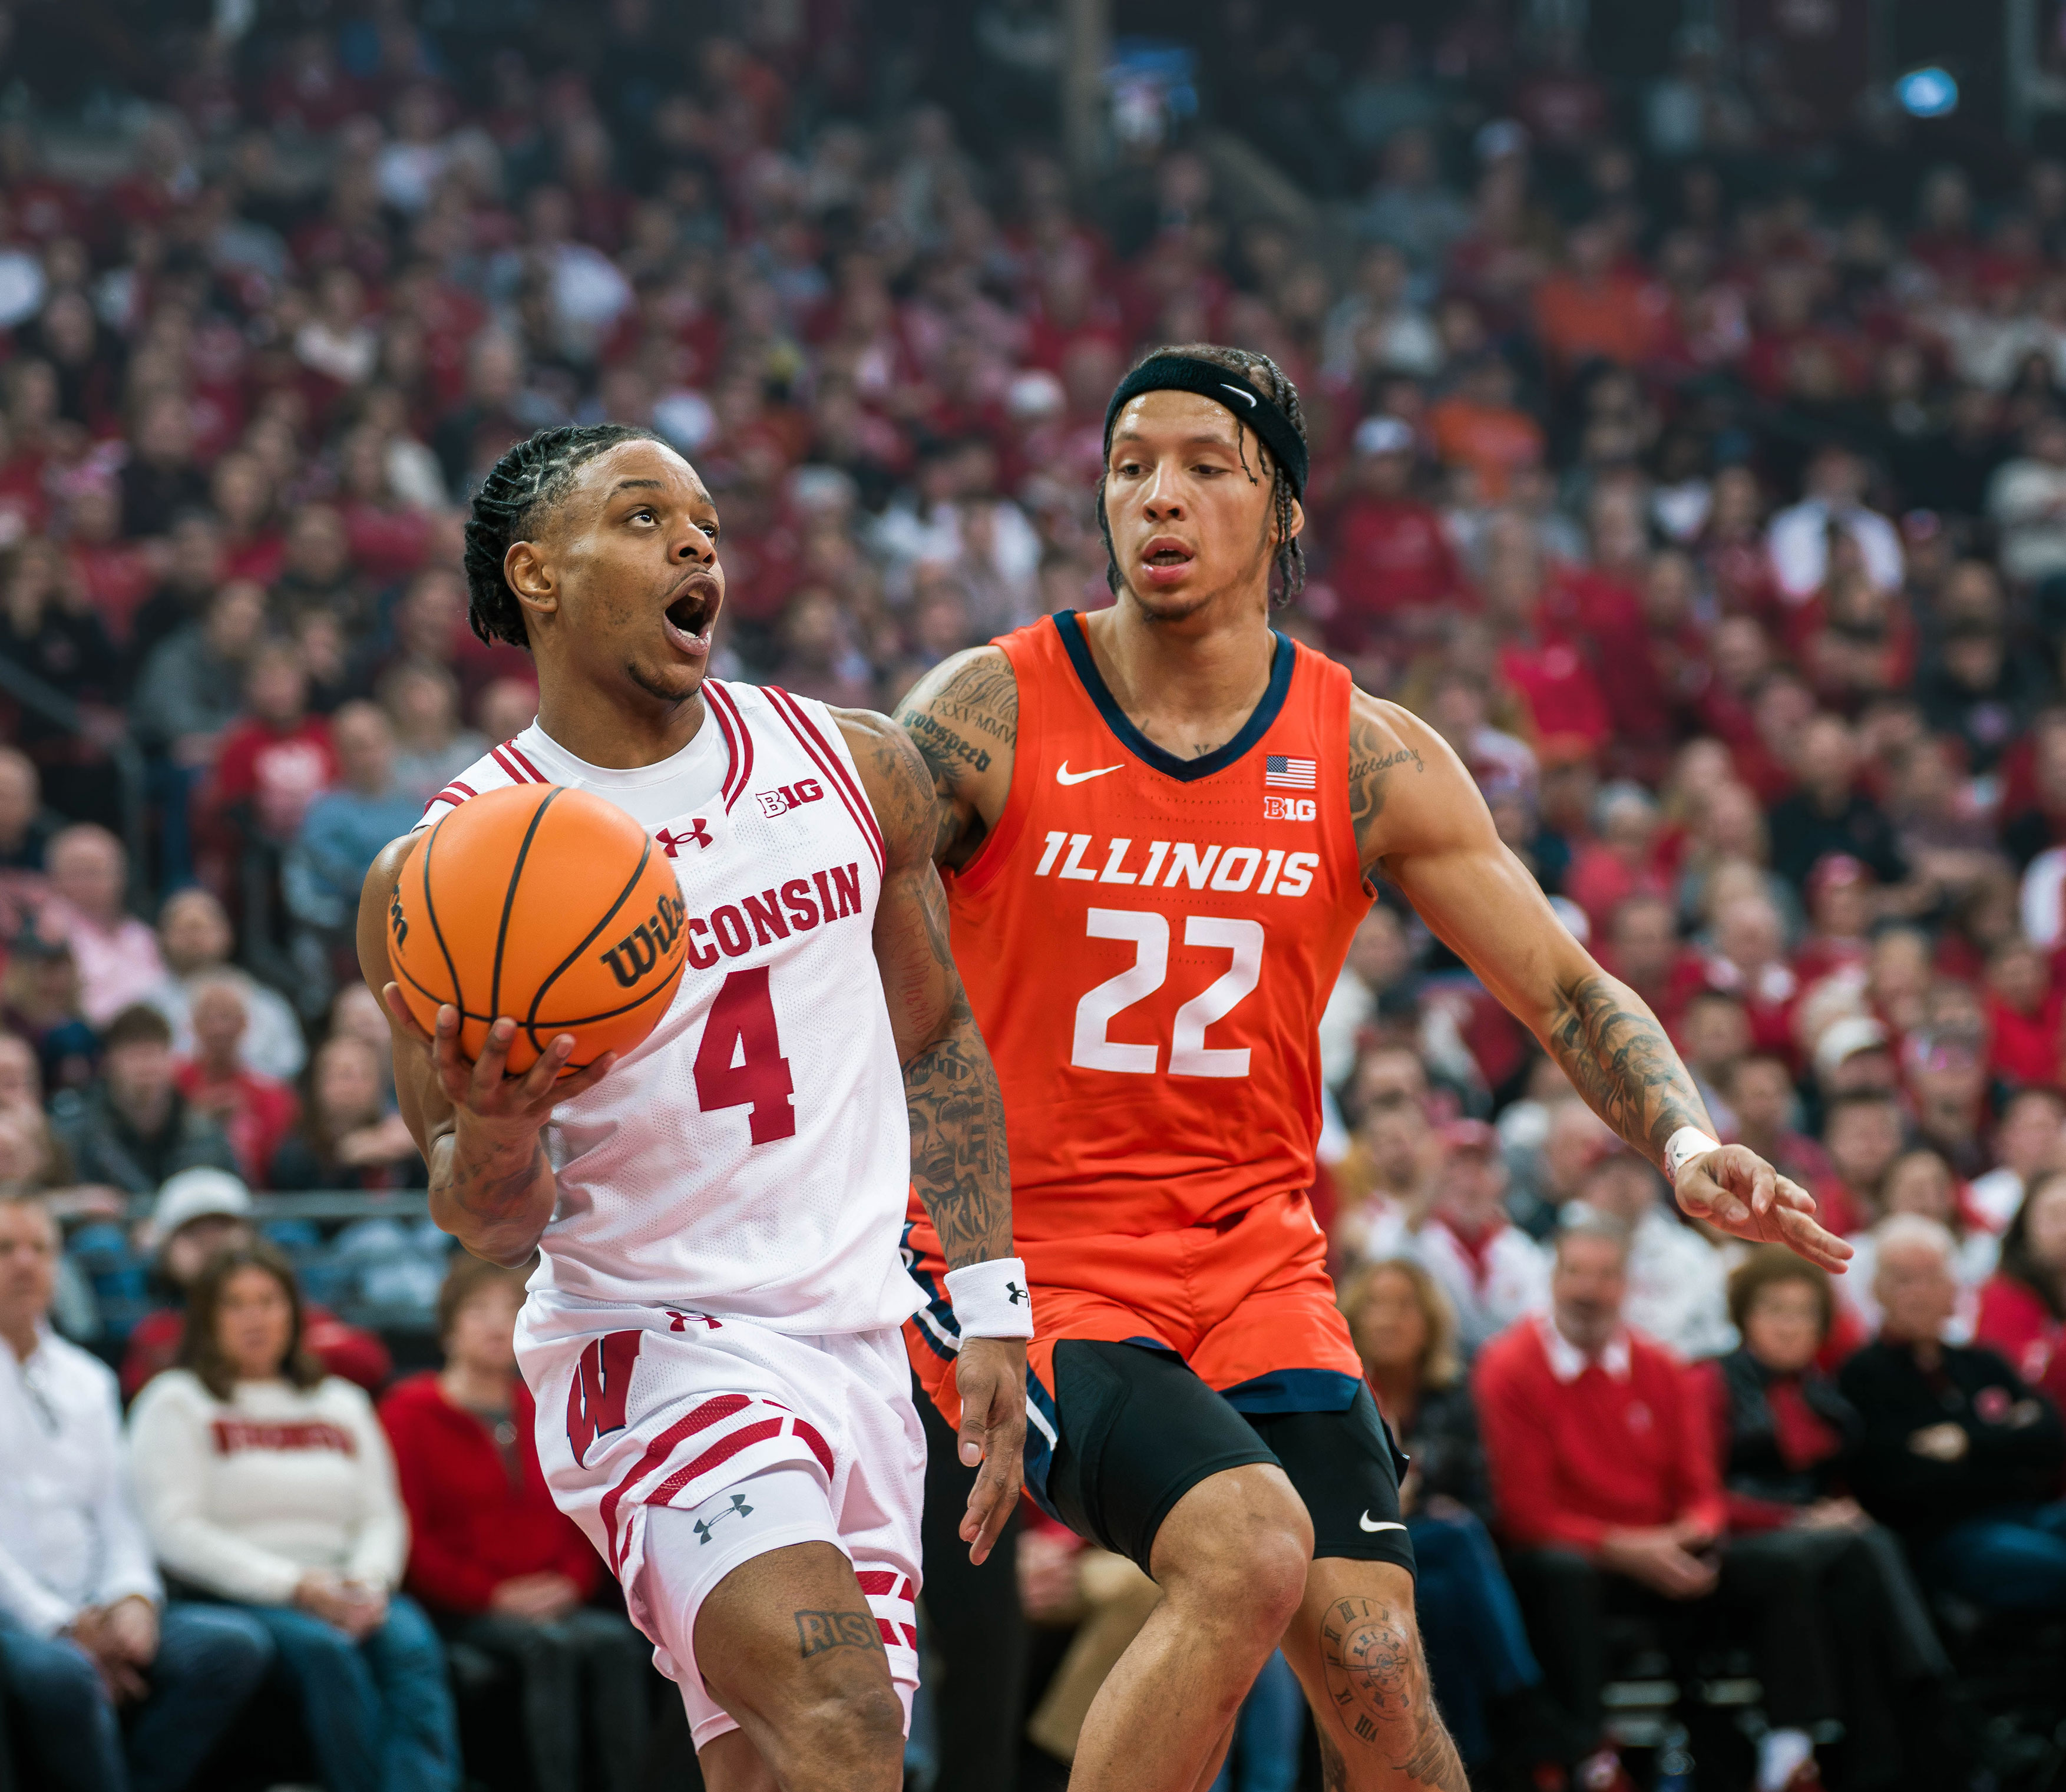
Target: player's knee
{"points": [[857, 1726], [1240, 1543]]}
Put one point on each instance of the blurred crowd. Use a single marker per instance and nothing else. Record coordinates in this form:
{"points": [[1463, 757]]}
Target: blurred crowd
{"points": [[1691, 454]]}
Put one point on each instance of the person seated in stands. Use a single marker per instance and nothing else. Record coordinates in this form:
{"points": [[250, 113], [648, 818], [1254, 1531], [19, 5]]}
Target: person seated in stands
{"points": [[131, 1128], [27, 827], [40, 1004], [1921, 1183], [1784, 1436], [1490, 1270], [111, 1689], [1486, 1678], [255, 1112], [346, 827], [1606, 1490], [196, 939], [117, 954], [1677, 1285], [350, 1136], [199, 1213], [491, 1557], [2022, 1306], [270, 1487], [1959, 1456]]}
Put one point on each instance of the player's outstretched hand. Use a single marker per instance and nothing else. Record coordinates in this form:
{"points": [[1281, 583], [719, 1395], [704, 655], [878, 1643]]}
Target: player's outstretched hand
{"points": [[482, 1087], [1736, 1191], [990, 1376]]}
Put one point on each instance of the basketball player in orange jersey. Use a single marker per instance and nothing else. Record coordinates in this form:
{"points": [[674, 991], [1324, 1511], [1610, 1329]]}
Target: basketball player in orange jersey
{"points": [[723, 1403], [1159, 824]]}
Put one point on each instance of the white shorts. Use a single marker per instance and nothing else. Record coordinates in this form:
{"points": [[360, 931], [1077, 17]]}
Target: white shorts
{"points": [[641, 1408]]}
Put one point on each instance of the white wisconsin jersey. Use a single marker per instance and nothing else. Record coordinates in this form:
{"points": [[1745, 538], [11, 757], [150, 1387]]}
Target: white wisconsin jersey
{"points": [[753, 1156]]}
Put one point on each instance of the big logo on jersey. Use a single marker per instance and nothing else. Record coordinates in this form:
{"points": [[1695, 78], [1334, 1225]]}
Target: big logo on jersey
{"points": [[601, 1384]]}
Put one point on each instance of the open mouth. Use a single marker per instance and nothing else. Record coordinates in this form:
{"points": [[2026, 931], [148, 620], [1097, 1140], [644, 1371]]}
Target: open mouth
{"points": [[688, 618], [1165, 559]]}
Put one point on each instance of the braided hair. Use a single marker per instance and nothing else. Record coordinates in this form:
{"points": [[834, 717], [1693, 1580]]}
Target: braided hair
{"points": [[532, 477], [1288, 567]]}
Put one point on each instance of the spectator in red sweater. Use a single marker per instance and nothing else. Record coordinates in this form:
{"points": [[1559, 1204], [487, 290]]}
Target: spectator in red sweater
{"points": [[1606, 1486], [200, 1212], [279, 759], [493, 1559], [2024, 1008], [255, 1112], [2023, 1307], [1393, 566]]}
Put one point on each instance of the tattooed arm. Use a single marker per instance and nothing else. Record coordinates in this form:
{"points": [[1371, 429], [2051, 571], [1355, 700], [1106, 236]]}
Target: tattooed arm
{"points": [[1419, 819], [479, 1130], [963, 715], [958, 1161]]}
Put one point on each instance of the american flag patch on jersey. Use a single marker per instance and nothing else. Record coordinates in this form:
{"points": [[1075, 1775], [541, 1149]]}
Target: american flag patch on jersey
{"points": [[1290, 774]]}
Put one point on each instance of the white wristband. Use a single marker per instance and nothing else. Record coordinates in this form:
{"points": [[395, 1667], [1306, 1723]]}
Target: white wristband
{"points": [[1687, 1143], [990, 1300]]}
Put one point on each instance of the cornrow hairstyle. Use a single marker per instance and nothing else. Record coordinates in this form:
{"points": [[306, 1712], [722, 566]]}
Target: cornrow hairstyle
{"points": [[1288, 570], [533, 476]]}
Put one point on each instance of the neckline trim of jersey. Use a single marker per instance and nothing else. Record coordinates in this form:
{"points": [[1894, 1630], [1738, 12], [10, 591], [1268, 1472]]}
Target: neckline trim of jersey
{"points": [[1283, 657], [706, 742]]}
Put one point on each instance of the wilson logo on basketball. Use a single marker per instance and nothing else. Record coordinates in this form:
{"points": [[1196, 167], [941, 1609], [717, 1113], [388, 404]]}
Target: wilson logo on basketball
{"points": [[781, 801], [642, 948]]}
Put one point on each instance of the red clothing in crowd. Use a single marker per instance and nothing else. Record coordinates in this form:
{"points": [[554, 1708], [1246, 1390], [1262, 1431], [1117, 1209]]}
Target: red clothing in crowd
{"points": [[1803, 1437], [1563, 695], [1577, 1449], [2013, 1320], [255, 1112], [477, 1516], [1389, 555], [279, 772], [2024, 1047], [342, 1349]]}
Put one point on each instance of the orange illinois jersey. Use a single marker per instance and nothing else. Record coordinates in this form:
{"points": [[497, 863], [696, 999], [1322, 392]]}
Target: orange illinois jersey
{"points": [[1149, 941]]}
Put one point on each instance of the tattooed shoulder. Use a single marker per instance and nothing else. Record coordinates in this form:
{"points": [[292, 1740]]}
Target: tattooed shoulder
{"points": [[1378, 752], [898, 780], [963, 718]]}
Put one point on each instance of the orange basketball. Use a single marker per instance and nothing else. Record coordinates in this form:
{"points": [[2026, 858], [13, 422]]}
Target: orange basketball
{"points": [[546, 905]]}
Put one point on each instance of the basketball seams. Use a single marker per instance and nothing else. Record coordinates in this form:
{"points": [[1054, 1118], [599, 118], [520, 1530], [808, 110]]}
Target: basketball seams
{"points": [[658, 989], [431, 910], [509, 897], [567, 963]]}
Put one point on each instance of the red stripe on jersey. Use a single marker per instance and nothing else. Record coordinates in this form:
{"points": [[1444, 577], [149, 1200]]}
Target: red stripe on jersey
{"points": [[826, 760], [656, 1453], [811, 1435], [508, 765], [738, 740], [517, 753], [888, 1635], [878, 1580], [910, 1634], [446, 797], [716, 1455]]}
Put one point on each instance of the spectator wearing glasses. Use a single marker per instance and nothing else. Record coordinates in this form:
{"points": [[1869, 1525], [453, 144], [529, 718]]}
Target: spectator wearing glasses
{"points": [[491, 1556], [1959, 1456], [89, 1650], [270, 1487]]}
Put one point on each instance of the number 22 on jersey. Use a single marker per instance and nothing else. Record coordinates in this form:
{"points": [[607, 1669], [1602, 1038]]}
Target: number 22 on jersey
{"points": [[1093, 1048]]}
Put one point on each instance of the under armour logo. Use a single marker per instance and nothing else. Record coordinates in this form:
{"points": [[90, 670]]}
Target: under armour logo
{"points": [[672, 843], [682, 1319], [1015, 1292], [705, 1527]]}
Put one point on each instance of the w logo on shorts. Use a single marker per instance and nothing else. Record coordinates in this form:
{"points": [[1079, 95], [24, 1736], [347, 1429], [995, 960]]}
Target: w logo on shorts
{"points": [[601, 1384]]}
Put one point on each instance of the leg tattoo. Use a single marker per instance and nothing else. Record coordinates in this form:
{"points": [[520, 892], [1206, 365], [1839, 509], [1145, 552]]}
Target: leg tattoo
{"points": [[1377, 1682], [817, 1631]]}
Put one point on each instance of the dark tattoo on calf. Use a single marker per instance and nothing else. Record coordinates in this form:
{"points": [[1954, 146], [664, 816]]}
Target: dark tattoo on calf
{"points": [[1377, 1684], [817, 1631], [1618, 1058]]}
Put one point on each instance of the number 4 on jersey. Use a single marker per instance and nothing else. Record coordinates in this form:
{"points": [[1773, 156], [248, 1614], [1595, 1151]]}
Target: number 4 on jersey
{"points": [[739, 1063]]}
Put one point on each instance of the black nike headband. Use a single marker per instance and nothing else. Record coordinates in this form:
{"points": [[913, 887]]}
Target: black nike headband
{"points": [[1185, 373]]}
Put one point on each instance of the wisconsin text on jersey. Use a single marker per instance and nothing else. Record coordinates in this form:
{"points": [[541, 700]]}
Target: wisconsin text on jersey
{"points": [[1182, 863]]}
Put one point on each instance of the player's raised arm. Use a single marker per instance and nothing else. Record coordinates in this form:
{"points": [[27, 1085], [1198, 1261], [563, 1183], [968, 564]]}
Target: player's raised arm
{"points": [[959, 1165], [963, 717], [1420, 820], [481, 1131]]}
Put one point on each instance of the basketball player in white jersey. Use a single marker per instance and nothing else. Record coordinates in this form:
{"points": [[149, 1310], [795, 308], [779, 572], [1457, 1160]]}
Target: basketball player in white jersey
{"points": [[712, 1332]]}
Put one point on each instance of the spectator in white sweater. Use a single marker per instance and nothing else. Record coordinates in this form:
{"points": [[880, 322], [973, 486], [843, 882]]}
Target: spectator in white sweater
{"points": [[264, 1482], [85, 1632]]}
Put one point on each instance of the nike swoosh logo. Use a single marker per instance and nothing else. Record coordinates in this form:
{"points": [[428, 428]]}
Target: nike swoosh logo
{"points": [[1246, 398], [1063, 775], [1388, 1525]]}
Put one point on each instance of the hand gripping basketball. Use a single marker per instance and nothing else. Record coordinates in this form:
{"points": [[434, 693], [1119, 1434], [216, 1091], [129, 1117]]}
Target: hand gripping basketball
{"points": [[1736, 1191], [482, 1088]]}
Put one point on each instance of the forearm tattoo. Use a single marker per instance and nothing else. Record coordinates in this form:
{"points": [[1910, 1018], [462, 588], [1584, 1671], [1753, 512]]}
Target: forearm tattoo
{"points": [[1615, 1053], [1377, 1684], [962, 716], [817, 1631]]}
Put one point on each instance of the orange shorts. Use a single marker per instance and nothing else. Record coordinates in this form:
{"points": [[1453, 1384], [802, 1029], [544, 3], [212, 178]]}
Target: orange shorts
{"points": [[1247, 1304]]}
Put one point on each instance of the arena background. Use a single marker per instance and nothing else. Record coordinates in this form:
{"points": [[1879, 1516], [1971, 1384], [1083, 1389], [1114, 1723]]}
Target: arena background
{"points": [[1686, 385]]}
